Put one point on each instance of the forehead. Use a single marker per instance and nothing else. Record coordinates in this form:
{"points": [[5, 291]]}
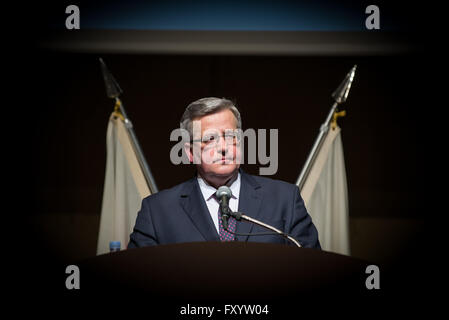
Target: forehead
{"points": [[219, 121]]}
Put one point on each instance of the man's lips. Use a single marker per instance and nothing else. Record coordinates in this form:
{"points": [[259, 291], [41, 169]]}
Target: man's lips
{"points": [[224, 159]]}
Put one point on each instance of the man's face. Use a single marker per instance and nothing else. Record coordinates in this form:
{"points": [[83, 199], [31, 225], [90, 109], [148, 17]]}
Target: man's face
{"points": [[218, 151]]}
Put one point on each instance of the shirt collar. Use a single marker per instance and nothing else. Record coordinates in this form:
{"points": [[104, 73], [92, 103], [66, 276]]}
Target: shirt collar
{"points": [[208, 191]]}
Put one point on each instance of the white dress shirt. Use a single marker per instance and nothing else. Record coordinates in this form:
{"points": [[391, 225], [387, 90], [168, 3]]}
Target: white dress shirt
{"points": [[212, 204]]}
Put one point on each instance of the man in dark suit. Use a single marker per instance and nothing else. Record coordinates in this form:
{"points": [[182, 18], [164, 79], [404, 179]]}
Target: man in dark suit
{"points": [[189, 212]]}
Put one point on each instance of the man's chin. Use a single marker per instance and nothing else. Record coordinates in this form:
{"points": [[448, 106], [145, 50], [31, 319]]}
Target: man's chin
{"points": [[223, 169]]}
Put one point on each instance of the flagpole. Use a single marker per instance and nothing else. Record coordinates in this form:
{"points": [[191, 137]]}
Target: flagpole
{"points": [[340, 95], [139, 153], [113, 91]]}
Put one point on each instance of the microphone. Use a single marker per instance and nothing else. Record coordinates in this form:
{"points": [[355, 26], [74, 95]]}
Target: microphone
{"points": [[223, 195]]}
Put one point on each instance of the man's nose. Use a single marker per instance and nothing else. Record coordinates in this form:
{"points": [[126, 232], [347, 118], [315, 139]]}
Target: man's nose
{"points": [[222, 146]]}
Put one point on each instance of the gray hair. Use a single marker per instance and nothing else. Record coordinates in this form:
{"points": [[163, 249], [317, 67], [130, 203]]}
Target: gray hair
{"points": [[206, 106]]}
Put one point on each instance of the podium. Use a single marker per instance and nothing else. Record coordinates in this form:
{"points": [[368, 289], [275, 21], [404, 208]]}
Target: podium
{"points": [[231, 270]]}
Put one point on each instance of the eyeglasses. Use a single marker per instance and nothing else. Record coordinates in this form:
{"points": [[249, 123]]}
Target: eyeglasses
{"points": [[212, 139]]}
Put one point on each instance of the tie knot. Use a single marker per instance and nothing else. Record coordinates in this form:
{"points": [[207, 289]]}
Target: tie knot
{"points": [[214, 195]]}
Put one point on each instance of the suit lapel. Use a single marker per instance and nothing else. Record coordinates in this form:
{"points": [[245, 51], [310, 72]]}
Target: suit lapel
{"points": [[195, 207], [250, 199]]}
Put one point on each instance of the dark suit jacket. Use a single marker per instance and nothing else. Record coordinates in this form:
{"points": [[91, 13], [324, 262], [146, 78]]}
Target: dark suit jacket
{"points": [[180, 214]]}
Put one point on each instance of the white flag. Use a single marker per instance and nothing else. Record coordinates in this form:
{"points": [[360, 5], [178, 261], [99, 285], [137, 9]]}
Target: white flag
{"points": [[124, 187], [326, 196]]}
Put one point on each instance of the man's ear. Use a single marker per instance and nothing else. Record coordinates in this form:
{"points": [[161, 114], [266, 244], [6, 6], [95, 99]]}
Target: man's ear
{"points": [[188, 148]]}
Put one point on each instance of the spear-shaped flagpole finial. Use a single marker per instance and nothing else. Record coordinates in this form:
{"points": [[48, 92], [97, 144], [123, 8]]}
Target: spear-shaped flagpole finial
{"points": [[113, 90], [341, 93]]}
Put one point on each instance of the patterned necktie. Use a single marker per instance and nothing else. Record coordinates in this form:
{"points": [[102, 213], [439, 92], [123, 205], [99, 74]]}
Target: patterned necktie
{"points": [[225, 235]]}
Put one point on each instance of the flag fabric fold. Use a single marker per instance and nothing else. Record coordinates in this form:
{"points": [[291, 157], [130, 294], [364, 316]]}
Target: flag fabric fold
{"points": [[124, 187], [326, 197]]}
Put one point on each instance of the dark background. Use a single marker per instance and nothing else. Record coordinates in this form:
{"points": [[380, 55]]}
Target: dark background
{"points": [[57, 115]]}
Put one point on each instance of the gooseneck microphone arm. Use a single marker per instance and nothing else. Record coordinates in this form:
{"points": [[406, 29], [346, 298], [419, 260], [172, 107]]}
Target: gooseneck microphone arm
{"points": [[240, 216], [225, 212], [223, 195]]}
